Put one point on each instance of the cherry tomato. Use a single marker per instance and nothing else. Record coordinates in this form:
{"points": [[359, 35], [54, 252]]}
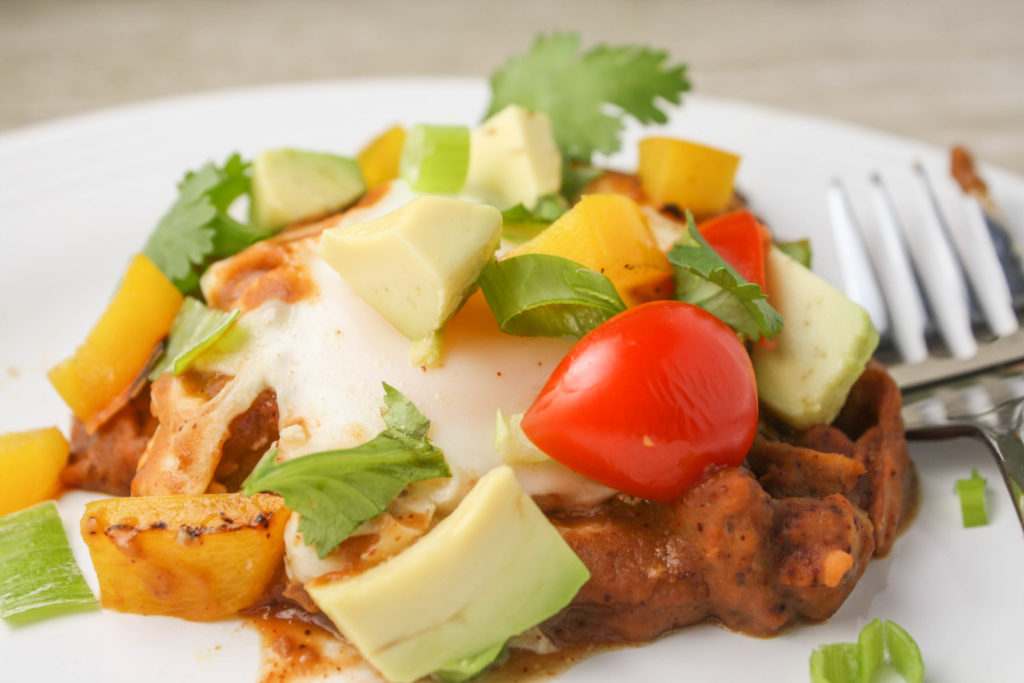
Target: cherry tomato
{"points": [[741, 241], [649, 400]]}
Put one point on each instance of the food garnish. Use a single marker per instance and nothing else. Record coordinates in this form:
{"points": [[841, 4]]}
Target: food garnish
{"points": [[575, 88], [857, 662], [195, 329], [705, 279], [435, 158], [197, 227], [336, 491], [548, 296], [971, 492], [38, 574]]}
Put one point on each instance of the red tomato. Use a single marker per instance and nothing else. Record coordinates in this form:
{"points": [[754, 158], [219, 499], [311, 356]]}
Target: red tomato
{"points": [[741, 241], [649, 400]]}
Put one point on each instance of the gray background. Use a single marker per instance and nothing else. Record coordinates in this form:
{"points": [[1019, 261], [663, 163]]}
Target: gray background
{"points": [[939, 71]]}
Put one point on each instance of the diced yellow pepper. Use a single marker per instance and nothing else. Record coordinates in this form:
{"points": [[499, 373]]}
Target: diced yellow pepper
{"points": [[194, 557], [379, 160], [609, 233], [98, 379], [30, 463], [687, 175]]}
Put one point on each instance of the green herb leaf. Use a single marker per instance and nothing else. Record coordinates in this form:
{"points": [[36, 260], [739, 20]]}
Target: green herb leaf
{"points": [[336, 491], [575, 178], [195, 329], [38, 573], [540, 295], [705, 279], [520, 224], [197, 227], [972, 499], [576, 88], [798, 250]]}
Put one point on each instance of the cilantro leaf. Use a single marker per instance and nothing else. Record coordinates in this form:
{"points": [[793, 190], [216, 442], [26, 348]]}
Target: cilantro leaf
{"points": [[575, 88], [336, 491], [197, 227], [195, 329], [703, 278]]}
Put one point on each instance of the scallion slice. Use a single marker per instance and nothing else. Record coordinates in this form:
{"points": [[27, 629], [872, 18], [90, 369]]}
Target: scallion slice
{"points": [[540, 295], [38, 574], [972, 499], [194, 330], [835, 663], [870, 649], [904, 654], [857, 662], [435, 158]]}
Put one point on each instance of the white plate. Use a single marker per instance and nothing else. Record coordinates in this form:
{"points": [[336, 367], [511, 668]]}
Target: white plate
{"points": [[78, 197]]}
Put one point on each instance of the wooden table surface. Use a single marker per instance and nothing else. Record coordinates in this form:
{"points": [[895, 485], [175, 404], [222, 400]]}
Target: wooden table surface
{"points": [[941, 71]]}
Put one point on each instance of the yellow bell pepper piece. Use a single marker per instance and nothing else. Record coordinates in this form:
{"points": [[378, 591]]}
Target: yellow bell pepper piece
{"points": [[609, 233], [686, 174], [379, 160], [194, 557], [98, 379], [31, 463]]}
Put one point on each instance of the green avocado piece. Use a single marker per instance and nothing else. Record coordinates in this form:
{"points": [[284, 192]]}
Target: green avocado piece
{"points": [[290, 184], [417, 264], [825, 342], [492, 569]]}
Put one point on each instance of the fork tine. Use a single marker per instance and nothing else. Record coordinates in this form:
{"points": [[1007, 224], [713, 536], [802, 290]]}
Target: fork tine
{"points": [[858, 277], [985, 271], [940, 270], [898, 284]]}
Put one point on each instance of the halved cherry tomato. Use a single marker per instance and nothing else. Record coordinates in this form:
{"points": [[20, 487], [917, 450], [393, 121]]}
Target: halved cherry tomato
{"points": [[649, 400], [742, 241]]}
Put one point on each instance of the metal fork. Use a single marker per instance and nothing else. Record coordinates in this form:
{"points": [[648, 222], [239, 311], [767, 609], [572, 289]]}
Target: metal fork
{"points": [[945, 296]]}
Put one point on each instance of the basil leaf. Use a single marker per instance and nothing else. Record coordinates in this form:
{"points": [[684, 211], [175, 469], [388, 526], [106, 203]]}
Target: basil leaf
{"points": [[336, 491], [540, 295]]}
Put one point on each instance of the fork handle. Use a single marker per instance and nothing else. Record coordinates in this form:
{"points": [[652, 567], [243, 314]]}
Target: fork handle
{"points": [[1002, 431]]}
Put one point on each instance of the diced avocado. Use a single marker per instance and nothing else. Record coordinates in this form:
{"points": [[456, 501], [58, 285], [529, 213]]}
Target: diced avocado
{"points": [[490, 570], [513, 157], [513, 445], [825, 342], [417, 264], [290, 184]]}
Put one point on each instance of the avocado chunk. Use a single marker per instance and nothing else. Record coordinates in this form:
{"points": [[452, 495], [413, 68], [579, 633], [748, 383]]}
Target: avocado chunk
{"points": [[489, 571], [825, 342], [290, 184], [513, 158], [417, 264]]}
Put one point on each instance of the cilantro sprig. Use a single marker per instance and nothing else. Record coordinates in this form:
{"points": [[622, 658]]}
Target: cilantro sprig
{"points": [[576, 89], [197, 227], [705, 279], [336, 491]]}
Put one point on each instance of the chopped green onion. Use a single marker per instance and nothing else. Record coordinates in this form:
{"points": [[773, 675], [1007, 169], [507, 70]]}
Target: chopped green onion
{"points": [[799, 250], [835, 663], [38, 574], [435, 158], [540, 295], [857, 662], [870, 649], [904, 654], [972, 500], [194, 330]]}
